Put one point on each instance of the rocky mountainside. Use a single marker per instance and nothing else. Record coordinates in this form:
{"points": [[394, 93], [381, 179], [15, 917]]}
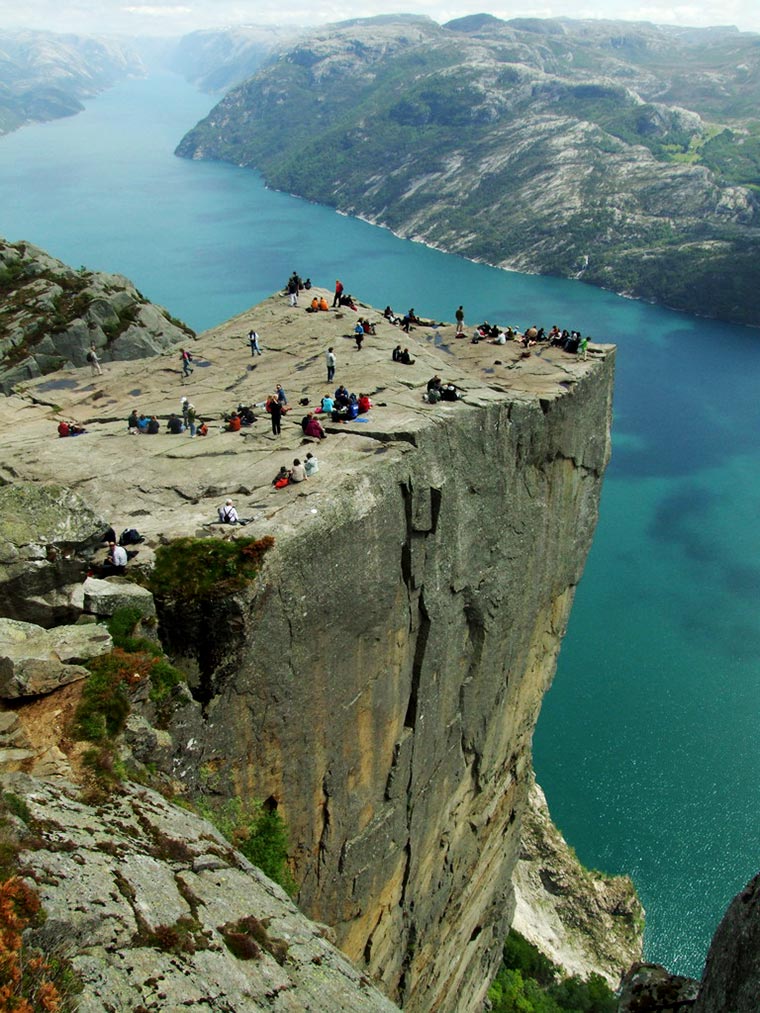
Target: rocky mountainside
{"points": [[44, 76], [624, 154], [581, 920], [50, 315], [217, 59], [377, 679]]}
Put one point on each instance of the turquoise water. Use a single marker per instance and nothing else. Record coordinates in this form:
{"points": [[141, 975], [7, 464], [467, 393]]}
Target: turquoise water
{"points": [[647, 743]]}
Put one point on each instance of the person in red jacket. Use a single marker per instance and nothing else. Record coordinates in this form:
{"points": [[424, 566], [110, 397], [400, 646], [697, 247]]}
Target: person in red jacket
{"points": [[338, 293]]}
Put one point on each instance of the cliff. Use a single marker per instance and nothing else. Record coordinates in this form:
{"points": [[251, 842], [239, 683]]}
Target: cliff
{"points": [[623, 154], [51, 314], [379, 681], [44, 76]]}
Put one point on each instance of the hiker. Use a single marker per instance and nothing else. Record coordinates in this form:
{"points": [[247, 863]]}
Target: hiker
{"points": [[359, 335], [297, 473], [331, 362], [313, 427], [253, 341], [227, 513], [94, 361], [459, 315], [115, 562], [338, 293], [281, 479], [185, 358]]}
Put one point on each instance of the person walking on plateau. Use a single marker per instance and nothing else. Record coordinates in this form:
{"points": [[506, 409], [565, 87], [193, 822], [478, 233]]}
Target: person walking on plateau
{"points": [[253, 340], [460, 320], [94, 361], [186, 358], [331, 363]]}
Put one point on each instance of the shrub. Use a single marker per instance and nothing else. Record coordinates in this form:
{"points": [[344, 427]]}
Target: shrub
{"points": [[260, 834], [192, 569]]}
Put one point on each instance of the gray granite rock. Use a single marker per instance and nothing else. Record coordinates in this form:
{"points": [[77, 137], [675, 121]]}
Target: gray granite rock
{"points": [[104, 596], [35, 661]]}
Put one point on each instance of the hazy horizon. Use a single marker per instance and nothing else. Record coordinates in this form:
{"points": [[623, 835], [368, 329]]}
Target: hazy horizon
{"points": [[108, 17]]}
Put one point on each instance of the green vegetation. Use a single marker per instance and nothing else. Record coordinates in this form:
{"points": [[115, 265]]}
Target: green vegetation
{"points": [[105, 703], [528, 982], [259, 833], [194, 569]]}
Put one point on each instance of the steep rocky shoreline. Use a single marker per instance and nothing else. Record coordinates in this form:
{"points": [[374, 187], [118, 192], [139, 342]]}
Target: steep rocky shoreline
{"points": [[555, 147]]}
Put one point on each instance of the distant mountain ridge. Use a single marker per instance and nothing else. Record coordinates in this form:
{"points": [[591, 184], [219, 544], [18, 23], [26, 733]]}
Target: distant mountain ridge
{"points": [[44, 76], [624, 154]]}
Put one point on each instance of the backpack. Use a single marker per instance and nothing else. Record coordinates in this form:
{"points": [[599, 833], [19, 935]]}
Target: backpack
{"points": [[130, 536], [90, 356]]}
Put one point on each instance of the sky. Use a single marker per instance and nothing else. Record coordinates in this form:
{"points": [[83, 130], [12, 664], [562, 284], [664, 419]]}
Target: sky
{"points": [[176, 17]]}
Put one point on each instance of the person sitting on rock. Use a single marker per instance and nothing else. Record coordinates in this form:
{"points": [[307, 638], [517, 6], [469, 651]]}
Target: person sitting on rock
{"points": [[133, 423], [365, 403], [202, 428], [115, 563], [297, 473], [233, 423], [396, 354], [63, 429], [75, 429], [152, 426], [174, 425], [281, 479], [405, 358], [314, 428], [368, 327], [227, 513], [342, 397], [314, 307], [323, 306], [311, 465], [142, 424], [449, 392], [327, 404]]}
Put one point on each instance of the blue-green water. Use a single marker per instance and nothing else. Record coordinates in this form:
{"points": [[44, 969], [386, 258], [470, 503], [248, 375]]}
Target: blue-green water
{"points": [[647, 744]]}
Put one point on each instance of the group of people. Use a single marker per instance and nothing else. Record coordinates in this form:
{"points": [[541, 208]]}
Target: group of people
{"points": [[403, 357], [570, 341], [294, 285], [299, 472], [67, 428], [437, 391], [186, 421]]}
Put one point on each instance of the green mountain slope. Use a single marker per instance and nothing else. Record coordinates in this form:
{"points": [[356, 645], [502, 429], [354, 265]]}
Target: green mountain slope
{"points": [[550, 146]]}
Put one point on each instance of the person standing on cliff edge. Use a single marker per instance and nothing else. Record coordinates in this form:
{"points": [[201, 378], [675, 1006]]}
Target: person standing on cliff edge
{"points": [[460, 321], [331, 363], [338, 293]]}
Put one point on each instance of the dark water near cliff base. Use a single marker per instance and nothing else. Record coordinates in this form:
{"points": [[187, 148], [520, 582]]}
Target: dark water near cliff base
{"points": [[647, 746]]}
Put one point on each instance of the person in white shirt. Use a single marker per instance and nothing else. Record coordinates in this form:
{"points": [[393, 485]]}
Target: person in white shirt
{"points": [[311, 465], [228, 514]]}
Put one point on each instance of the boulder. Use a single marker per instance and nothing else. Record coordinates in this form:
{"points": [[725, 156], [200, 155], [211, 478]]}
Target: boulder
{"points": [[104, 596], [732, 971], [35, 661], [47, 536]]}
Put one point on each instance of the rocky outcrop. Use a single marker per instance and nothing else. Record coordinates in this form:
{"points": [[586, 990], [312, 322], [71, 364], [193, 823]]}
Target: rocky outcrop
{"points": [[44, 75], [34, 660], [167, 915], [379, 680], [557, 147], [584, 921], [48, 535], [52, 314], [731, 980]]}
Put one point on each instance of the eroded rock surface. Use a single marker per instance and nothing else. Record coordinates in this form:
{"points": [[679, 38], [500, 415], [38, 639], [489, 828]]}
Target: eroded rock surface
{"points": [[150, 900], [583, 921], [34, 660]]}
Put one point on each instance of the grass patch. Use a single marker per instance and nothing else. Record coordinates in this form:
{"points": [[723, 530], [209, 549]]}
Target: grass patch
{"points": [[193, 569], [259, 833]]}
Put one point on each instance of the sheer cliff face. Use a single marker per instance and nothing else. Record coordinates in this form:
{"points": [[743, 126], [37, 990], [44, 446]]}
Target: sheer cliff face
{"points": [[384, 682]]}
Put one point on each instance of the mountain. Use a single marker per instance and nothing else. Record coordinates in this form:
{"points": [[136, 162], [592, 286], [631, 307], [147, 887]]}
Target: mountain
{"points": [[217, 59], [44, 76], [51, 313], [623, 154]]}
